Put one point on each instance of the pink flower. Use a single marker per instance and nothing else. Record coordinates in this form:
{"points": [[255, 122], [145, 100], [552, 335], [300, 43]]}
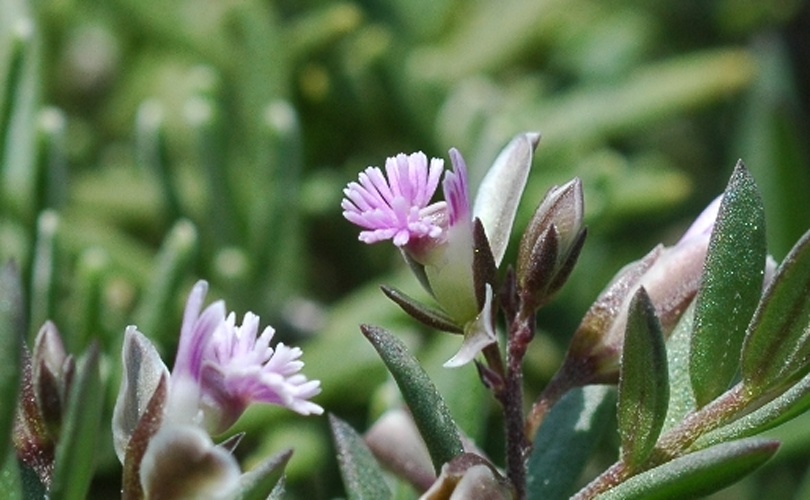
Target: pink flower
{"points": [[221, 368], [396, 205]]}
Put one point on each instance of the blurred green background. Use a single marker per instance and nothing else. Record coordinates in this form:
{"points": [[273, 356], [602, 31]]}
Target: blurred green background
{"points": [[145, 144]]}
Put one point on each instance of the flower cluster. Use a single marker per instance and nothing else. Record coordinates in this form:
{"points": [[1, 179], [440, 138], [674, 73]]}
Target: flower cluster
{"points": [[453, 260], [220, 369]]}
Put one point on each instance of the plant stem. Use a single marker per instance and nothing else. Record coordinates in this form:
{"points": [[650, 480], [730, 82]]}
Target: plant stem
{"points": [[520, 334]]}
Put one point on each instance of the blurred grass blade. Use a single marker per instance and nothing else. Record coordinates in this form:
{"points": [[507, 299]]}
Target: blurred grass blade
{"points": [[19, 173], [569, 434], [76, 451], [643, 382], [259, 482], [19, 39], [91, 268], [777, 347], [151, 153], [173, 262], [44, 271], [430, 413], [12, 333], [204, 117], [276, 236], [731, 287], [52, 155], [696, 474], [773, 142], [362, 476]]}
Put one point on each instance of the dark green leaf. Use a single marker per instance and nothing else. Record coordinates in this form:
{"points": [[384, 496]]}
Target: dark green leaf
{"points": [[362, 476], [425, 314], [429, 411], [777, 346], [696, 474], [731, 288], [566, 439], [643, 381], [76, 450], [12, 332], [260, 482]]}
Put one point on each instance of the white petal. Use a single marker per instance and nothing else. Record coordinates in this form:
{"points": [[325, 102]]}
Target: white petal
{"points": [[499, 193]]}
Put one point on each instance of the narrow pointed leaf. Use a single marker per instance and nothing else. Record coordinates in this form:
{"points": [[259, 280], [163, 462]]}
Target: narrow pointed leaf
{"points": [[569, 433], [790, 404], [731, 287], [696, 474], [429, 410], [423, 313], [260, 482], [76, 450], [777, 346], [12, 332], [362, 476], [499, 193], [643, 382]]}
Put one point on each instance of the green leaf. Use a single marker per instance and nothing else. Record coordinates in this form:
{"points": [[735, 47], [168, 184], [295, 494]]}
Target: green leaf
{"points": [[423, 313], [777, 346], [681, 399], [76, 450], [569, 433], [696, 474], [260, 482], [429, 410], [12, 332], [787, 406], [731, 288], [643, 382], [362, 476]]}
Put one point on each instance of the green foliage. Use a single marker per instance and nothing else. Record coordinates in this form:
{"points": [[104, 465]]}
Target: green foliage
{"points": [[11, 344], [643, 382], [776, 348], [76, 450], [425, 403], [568, 436], [731, 287], [145, 144], [697, 474], [362, 475]]}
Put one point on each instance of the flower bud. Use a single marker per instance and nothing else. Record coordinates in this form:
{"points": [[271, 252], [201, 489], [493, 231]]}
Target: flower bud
{"points": [[469, 476], [53, 372], [551, 244], [181, 461], [395, 441], [671, 276]]}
